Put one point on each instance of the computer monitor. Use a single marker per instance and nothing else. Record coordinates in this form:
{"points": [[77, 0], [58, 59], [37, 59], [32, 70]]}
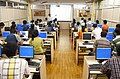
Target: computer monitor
{"points": [[111, 29], [24, 34], [87, 36], [43, 35], [5, 34], [26, 52], [103, 53]]}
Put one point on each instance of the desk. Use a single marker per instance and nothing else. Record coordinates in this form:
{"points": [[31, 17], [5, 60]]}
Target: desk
{"points": [[42, 67], [47, 45], [75, 35], [79, 44], [89, 60]]}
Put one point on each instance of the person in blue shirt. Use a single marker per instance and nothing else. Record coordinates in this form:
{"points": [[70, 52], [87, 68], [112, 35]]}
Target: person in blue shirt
{"points": [[25, 26]]}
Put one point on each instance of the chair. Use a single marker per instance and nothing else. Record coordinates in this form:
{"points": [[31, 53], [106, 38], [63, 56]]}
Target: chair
{"points": [[99, 25], [111, 29], [19, 27], [109, 36]]}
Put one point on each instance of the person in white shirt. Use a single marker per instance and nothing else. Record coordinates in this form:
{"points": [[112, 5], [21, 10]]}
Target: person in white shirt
{"points": [[96, 33], [89, 25], [49, 17], [13, 68]]}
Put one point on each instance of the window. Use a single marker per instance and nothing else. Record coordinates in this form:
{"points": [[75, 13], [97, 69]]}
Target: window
{"points": [[61, 12]]}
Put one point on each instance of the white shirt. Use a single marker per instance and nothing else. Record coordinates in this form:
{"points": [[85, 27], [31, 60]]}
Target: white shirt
{"points": [[97, 33], [19, 68]]}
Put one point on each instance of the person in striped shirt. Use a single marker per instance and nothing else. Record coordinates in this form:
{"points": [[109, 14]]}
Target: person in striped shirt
{"points": [[13, 68], [112, 66]]}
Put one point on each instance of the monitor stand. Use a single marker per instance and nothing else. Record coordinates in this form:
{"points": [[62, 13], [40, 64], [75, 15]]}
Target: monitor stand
{"points": [[85, 41], [100, 61], [28, 60]]}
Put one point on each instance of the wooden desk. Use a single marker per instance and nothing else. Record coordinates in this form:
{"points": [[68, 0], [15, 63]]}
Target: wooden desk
{"points": [[89, 60], [79, 44], [75, 35], [42, 67]]}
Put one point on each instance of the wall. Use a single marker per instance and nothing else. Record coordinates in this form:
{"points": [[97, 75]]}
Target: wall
{"points": [[109, 10], [40, 7]]}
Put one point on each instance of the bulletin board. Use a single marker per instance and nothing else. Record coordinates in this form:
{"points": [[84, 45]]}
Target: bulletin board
{"points": [[39, 12]]}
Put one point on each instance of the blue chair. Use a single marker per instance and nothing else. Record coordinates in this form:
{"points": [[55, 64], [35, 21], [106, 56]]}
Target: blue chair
{"points": [[19, 27], [99, 25], [111, 29], [109, 36]]}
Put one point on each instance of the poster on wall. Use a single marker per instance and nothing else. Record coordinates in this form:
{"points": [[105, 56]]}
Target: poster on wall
{"points": [[39, 12]]}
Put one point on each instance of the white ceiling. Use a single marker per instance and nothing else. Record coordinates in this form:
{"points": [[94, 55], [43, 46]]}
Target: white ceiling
{"points": [[58, 1]]}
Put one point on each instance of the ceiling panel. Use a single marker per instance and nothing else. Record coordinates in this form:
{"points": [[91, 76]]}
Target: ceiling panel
{"points": [[57, 1]]}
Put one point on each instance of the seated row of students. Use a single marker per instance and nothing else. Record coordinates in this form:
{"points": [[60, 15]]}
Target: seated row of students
{"points": [[37, 42]]}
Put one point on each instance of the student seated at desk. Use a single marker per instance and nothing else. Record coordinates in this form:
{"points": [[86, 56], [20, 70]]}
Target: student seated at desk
{"points": [[96, 33], [37, 42], [13, 68], [13, 37], [25, 26], [112, 66], [116, 39], [105, 26], [30, 31], [102, 42]]}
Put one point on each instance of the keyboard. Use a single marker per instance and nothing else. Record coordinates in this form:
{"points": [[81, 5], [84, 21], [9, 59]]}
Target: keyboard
{"points": [[87, 43], [32, 63], [95, 67]]}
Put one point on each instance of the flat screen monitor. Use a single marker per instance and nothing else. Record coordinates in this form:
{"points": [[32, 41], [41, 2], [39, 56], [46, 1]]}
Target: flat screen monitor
{"points": [[26, 52], [87, 36], [111, 29], [24, 34], [43, 35], [103, 53], [5, 34]]}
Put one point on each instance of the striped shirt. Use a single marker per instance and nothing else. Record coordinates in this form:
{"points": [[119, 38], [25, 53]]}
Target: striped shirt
{"points": [[13, 68], [112, 64]]}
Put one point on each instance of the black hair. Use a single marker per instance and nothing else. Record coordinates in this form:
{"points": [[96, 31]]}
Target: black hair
{"points": [[118, 26], [103, 34], [78, 23], [2, 24], [89, 19], [46, 19], [118, 48], [97, 21], [82, 18], [36, 22], [117, 30], [94, 25], [24, 22], [32, 21], [35, 34], [10, 49], [40, 20], [13, 23], [105, 21]]}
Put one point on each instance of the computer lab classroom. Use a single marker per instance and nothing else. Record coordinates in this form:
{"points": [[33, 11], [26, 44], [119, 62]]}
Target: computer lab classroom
{"points": [[59, 39]]}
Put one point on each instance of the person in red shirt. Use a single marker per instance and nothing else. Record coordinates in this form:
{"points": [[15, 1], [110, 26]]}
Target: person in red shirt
{"points": [[105, 26]]}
